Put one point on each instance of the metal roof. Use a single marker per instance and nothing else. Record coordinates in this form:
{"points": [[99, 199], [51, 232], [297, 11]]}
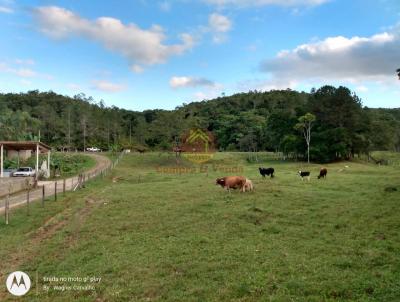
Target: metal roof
{"points": [[24, 145]]}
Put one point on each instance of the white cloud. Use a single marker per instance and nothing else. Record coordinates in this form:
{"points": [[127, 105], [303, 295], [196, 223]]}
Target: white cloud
{"points": [[219, 25], [137, 68], [209, 89], [20, 72], [3, 67], [107, 86], [6, 10], [25, 62], [249, 3], [208, 94], [184, 82], [24, 72], [139, 46], [251, 47], [361, 88], [165, 6], [355, 59]]}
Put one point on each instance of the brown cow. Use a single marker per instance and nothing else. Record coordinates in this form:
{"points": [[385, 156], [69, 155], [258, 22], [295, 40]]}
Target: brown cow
{"points": [[232, 182], [322, 173]]}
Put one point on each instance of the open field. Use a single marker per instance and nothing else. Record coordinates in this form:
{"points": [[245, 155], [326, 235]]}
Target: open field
{"points": [[153, 236]]}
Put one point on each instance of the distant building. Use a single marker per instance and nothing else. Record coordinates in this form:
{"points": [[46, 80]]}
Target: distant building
{"points": [[23, 150]]}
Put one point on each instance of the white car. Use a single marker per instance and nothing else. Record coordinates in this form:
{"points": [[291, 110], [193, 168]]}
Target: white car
{"points": [[93, 149], [24, 172]]}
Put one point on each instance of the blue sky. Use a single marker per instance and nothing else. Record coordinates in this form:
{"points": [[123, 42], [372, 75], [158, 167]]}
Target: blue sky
{"points": [[159, 54]]}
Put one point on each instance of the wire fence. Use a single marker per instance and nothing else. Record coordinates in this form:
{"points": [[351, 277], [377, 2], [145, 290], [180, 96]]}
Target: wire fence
{"points": [[52, 189], [381, 158]]}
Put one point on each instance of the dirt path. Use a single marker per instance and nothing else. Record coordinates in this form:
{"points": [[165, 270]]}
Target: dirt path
{"points": [[51, 186]]}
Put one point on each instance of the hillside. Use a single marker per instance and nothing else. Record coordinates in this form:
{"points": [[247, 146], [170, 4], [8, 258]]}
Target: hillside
{"points": [[246, 121]]}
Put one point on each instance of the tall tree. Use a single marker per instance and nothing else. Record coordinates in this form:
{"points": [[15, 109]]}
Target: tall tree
{"points": [[305, 124], [339, 122]]}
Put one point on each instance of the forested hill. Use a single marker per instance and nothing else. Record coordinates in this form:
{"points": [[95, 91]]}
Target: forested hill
{"points": [[252, 121]]}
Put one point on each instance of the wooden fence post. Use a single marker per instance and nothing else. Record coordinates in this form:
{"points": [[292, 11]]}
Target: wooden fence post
{"points": [[6, 208], [27, 200], [55, 191], [64, 186], [43, 195], [7, 205]]}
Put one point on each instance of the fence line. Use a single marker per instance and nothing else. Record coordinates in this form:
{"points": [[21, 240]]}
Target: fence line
{"points": [[379, 160], [54, 188]]}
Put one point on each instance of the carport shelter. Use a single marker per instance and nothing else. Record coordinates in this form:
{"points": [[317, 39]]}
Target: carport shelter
{"points": [[17, 146]]}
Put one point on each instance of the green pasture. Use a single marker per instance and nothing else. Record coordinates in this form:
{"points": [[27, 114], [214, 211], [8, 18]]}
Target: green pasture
{"points": [[155, 231]]}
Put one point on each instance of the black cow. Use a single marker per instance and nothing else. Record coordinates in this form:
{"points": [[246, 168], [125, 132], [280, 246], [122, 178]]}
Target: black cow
{"points": [[267, 171], [322, 173], [305, 174]]}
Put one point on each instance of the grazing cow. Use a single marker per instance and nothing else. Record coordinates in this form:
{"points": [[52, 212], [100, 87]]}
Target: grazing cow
{"points": [[232, 182], [305, 174], [322, 173], [248, 186], [266, 171]]}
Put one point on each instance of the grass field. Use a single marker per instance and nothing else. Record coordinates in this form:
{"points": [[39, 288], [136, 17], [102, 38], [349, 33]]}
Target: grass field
{"points": [[153, 236]]}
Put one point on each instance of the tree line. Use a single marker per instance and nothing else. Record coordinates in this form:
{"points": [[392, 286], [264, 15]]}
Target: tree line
{"points": [[340, 126]]}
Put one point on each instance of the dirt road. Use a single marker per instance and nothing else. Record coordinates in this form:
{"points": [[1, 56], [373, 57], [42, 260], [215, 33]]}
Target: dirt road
{"points": [[50, 187]]}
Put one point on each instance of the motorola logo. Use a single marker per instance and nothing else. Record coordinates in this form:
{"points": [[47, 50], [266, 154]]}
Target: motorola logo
{"points": [[18, 283]]}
